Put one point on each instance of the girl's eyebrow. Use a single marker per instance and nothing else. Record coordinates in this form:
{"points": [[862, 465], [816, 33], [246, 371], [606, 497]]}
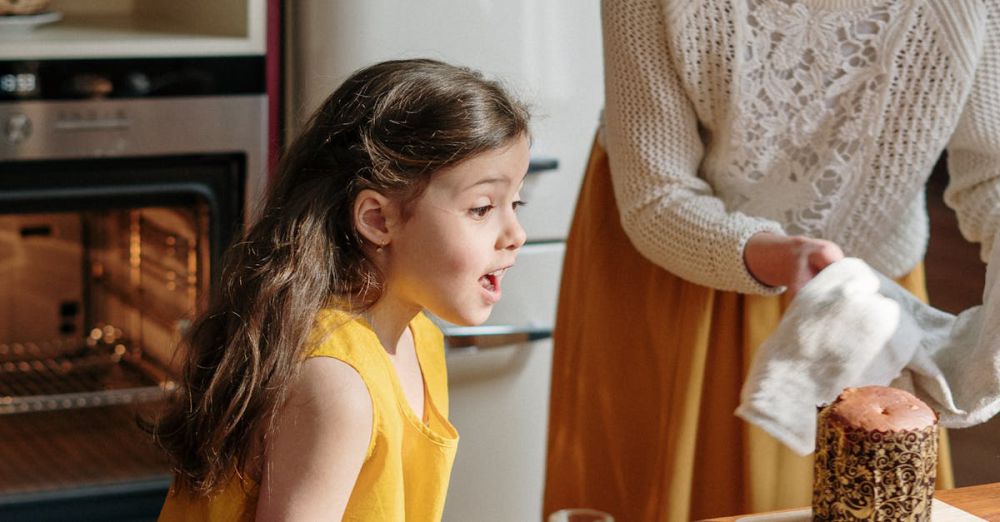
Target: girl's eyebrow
{"points": [[486, 181], [494, 180]]}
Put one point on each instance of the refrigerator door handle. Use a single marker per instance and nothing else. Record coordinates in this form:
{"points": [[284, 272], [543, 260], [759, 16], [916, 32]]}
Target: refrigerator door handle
{"points": [[464, 338], [541, 164]]}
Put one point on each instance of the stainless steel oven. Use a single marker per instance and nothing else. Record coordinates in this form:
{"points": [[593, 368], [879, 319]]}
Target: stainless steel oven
{"points": [[121, 182]]}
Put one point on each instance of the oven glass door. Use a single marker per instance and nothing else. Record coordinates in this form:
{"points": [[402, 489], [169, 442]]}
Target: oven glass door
{"points": [[103, 263]]}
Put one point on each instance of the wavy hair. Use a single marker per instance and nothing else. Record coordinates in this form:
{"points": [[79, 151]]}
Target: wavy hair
{"points": [[388, 127]]}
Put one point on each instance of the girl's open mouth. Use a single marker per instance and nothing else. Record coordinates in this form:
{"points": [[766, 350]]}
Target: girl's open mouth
{"points": [[491, 282]]}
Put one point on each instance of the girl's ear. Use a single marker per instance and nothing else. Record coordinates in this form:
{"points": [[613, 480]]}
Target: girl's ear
{"points": [[373, 215]]}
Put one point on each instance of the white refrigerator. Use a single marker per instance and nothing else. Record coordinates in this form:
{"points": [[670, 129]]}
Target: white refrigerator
{"points": [[548, 52]]}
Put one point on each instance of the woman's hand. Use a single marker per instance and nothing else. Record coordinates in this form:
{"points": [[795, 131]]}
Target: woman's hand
{"points": [[790, 261]]}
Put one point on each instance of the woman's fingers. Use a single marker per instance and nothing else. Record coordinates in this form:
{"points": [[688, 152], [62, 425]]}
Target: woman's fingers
{"points": [[789, 261], [822, 254]]}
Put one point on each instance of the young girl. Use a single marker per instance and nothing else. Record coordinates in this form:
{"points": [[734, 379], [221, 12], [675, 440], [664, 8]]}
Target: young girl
{"points": [[315, 387]]}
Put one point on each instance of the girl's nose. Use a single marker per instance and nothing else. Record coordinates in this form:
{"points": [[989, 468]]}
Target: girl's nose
{"points": [[513, 235]]}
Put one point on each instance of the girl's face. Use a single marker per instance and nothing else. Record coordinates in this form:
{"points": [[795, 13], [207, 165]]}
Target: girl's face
{"points": [[461, 236]]}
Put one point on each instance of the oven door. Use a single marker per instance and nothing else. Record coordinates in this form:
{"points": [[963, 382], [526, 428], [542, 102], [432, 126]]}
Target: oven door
{"points": [[103, 263]]}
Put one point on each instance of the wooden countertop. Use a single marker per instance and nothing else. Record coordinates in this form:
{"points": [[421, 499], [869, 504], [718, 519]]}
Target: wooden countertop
{"points": [[982, 501]]}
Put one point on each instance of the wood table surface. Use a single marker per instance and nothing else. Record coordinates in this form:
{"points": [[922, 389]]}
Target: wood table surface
{"points": [[982, 501]]}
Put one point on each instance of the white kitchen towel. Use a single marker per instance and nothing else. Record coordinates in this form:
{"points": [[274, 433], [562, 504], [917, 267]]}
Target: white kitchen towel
{"points": [[851, 326]]}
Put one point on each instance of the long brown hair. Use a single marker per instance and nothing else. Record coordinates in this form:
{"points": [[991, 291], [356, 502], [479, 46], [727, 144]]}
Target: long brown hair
{"points": [[388, 127]]}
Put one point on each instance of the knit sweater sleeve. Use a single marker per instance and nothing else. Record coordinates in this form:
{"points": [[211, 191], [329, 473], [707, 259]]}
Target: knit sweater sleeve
{"points": [[974, 150], [669, 213]]}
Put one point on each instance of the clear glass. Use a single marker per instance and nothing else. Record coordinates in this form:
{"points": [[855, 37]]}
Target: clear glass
{"points": [[580, 515]]}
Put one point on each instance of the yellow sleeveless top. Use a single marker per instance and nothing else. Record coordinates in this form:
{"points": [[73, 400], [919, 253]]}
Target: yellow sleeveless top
{"points": [[408, 464]]}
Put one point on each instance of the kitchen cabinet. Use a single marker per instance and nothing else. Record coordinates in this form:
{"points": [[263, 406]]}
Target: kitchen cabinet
{"points": [[141, 28]]}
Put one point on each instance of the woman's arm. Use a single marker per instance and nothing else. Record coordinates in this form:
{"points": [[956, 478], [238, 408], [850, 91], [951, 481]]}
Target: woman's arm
{"points": [[974, 150], [322, 438], [669, 213]]}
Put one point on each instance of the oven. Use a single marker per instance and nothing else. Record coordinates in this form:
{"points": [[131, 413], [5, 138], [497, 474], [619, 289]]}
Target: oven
{"points": [[121, 183]]}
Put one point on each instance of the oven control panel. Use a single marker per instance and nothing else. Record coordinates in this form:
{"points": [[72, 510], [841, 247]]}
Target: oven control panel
{"points": [[91, 119], [18, 126], [103, 79], [84, 108]]}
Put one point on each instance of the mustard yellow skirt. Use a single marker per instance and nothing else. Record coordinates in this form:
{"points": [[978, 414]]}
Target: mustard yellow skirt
{"points": [[646, 374]]}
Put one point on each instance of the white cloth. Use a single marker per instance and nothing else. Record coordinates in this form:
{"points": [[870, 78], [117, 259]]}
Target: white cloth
{"points": [[851, 326]]}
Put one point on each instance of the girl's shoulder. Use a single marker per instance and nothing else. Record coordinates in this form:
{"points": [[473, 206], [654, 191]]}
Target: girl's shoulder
{"points": [[341, 335], [344, 335]]}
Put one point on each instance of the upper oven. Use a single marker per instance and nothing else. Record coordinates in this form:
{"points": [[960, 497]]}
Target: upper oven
{"points": [[121, 183]]}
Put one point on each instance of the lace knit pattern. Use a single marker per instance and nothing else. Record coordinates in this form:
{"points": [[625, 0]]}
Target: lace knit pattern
{"points": [[815, 117]]}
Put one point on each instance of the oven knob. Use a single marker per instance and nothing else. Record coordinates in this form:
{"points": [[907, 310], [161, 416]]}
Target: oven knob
{"points": [[17, 128]]}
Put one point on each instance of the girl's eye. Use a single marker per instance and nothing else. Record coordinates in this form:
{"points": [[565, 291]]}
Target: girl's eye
{"points": [[481, 211], [517, 204]]}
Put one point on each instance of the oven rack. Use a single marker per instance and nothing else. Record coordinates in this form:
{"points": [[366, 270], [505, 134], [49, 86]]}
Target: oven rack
{"points": [[77, 450], [64, 374]]}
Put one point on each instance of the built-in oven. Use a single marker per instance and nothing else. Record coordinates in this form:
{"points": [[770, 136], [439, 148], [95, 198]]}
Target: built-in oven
{"points": [[121, 183]]}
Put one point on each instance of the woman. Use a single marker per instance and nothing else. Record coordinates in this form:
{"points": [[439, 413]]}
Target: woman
{"points": [[746, 146]]}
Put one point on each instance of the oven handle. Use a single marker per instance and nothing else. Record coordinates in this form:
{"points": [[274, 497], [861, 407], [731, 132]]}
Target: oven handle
{"points": [[90, 125], [111, 192], [472, 338]]}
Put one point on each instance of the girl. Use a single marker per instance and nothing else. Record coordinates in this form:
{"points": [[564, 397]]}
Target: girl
{"points": [[315, 387]]}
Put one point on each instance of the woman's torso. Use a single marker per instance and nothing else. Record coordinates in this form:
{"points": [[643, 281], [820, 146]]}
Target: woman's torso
{"points": [[828, 116]]}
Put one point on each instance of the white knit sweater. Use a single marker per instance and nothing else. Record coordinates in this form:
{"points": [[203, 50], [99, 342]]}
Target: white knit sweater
{"points": [[725, 118]]}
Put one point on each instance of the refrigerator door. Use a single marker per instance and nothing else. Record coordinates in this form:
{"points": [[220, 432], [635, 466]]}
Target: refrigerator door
{"points": [[500, 397], [548, 52]]}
